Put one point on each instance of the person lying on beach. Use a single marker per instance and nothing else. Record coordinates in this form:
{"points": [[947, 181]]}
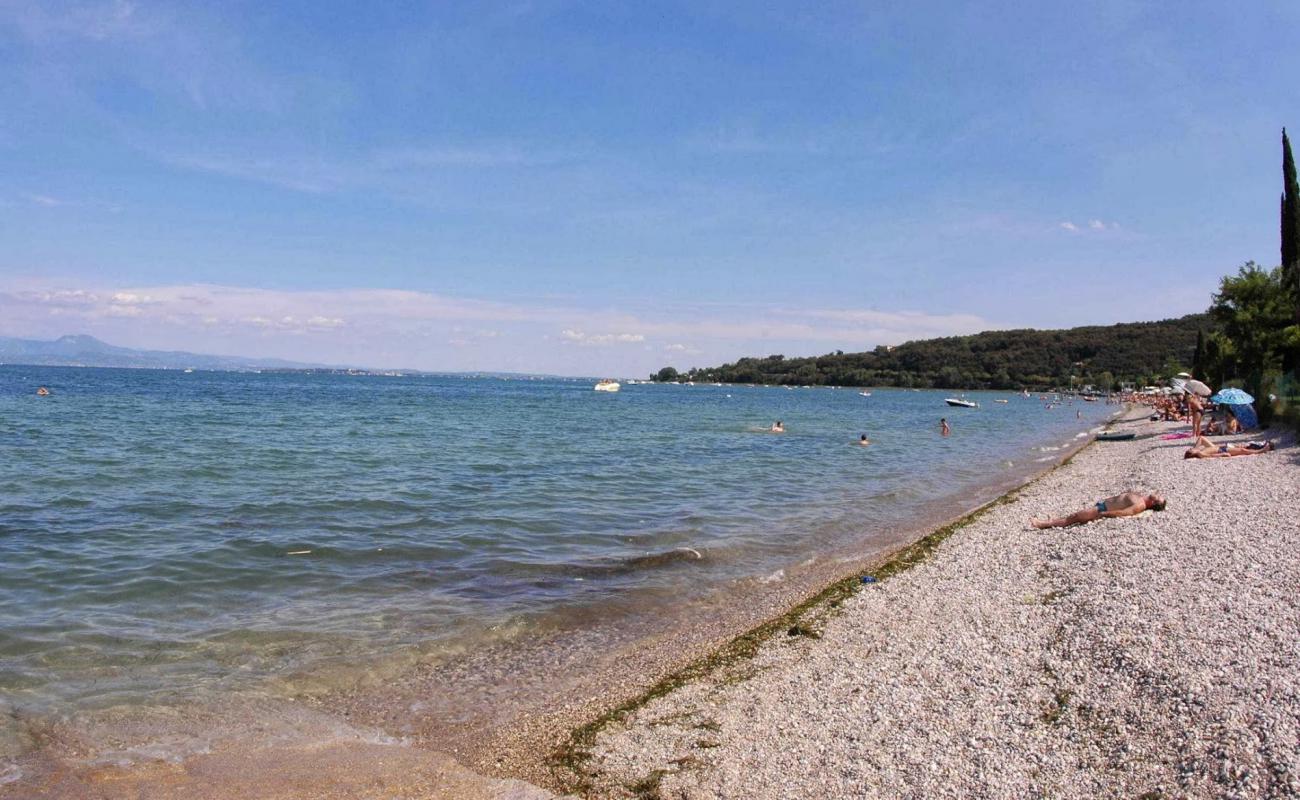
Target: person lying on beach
{"points": [[1204, 448], [1127, 504]]}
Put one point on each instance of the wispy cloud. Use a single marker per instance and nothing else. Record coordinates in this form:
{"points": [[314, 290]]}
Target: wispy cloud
{"points": [[1092, 226], [97, 21], [570, 336], [413, 328]]}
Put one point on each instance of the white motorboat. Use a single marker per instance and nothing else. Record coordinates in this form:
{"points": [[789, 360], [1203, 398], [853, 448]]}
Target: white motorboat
{"points": [[961, 402], [865, 394], [607, 385]]}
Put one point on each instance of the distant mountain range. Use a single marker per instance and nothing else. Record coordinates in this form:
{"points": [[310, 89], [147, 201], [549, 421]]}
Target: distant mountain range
{"points": [[87, 351]]}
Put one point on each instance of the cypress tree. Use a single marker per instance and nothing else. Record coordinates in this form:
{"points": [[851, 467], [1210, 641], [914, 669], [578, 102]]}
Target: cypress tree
{"points": [[1290, 227]]}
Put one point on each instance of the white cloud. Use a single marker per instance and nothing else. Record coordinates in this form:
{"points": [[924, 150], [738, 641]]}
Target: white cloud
{"points": [[568, 335], [404, 328], [45, 200], [1093, 225]]}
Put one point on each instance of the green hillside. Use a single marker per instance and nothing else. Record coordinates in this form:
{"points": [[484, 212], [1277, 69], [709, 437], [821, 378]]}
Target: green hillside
{"points": [[1135, 352]]}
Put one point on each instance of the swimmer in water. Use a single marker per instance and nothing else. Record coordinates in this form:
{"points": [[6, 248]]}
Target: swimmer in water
{"points": [[864, 441], [943, 426], [777, 427], [42, 392]]}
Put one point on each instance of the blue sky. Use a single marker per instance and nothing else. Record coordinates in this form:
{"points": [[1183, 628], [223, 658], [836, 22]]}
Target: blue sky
{"points": [[605, 188]]}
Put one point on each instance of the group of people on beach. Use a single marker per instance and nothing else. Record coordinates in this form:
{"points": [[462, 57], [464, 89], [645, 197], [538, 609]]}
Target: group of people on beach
{"points": [[1129, 504]]}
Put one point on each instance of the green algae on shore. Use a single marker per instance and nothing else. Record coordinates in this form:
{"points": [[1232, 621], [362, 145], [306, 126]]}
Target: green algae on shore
{"points": [[567, 762]]}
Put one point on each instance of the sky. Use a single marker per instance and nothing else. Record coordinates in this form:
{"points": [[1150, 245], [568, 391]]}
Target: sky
{"points": [[596, 188]]}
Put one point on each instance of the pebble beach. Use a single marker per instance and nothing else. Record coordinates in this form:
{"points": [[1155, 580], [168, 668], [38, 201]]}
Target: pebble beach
{"points": [[1156, 656]]}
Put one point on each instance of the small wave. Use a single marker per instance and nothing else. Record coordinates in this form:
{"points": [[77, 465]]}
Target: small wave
{"points": [[1083, 435], [775, 577], [10, 774], [633, 564]]}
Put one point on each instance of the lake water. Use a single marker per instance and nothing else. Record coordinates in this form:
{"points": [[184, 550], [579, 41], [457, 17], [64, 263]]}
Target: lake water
{"points": [[164, 534]]}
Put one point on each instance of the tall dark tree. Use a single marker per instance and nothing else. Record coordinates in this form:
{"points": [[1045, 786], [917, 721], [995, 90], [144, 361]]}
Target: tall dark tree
{"points": [[1290, 227]]}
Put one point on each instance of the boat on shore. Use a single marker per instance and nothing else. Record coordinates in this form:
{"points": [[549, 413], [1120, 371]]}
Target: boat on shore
{"points": [[1116, 436], [607, 385]]}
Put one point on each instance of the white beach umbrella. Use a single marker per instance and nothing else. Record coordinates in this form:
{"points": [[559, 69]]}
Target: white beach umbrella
{"points": [[1197, 387]]}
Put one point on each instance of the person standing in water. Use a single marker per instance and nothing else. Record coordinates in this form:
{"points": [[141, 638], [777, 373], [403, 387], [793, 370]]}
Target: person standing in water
{"points": [[943, 426], [864, 441]]}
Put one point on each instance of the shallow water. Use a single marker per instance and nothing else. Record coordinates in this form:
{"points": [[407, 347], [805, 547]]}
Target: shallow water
{"points": [[167, 535]]}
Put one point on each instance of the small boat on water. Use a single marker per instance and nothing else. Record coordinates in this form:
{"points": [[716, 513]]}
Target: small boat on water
{"points": [[607, 385], [865, 394], [1002, 401], [961, 402]]}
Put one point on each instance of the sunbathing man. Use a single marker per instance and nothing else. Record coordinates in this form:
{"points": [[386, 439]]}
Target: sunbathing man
{"points": [[1127, 504], [1204, 448]]}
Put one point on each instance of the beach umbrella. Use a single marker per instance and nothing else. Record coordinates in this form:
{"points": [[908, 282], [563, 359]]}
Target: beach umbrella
{"points": [[1245, 414], [1196, 387], [1232, 397]]}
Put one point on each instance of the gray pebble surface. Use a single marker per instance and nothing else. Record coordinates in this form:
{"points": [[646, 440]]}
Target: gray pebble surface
{"points": [[1156, 656]]}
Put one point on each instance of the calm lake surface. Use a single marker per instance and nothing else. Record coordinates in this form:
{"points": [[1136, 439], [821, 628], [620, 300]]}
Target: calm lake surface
{"points": [[166, 535]]}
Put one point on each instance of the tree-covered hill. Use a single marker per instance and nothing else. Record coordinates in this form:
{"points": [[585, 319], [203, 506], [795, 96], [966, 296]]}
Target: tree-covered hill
{"points": [[1135, 352]]}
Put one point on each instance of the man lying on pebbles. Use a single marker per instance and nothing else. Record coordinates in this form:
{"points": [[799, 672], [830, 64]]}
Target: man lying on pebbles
{"points": [[1127, 504]]}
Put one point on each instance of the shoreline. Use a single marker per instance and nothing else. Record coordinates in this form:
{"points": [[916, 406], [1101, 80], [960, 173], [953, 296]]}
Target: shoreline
{"points": [[520, 747], [803, 618], [1103, 660]]}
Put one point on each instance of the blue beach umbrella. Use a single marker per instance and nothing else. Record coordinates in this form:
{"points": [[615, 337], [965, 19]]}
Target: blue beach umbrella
{"points": [[1245, 414], [1232, 397]]}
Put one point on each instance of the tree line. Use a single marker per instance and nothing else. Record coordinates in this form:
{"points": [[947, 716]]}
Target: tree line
{"points": [[1102, 356]]}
